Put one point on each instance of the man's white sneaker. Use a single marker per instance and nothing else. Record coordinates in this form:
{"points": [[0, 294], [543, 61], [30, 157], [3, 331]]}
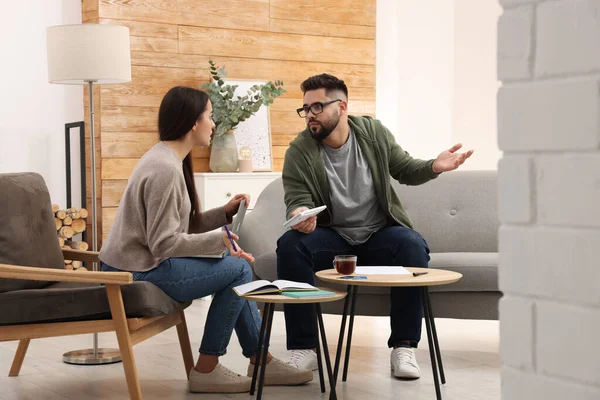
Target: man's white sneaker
{"points": [[404, 363], [219, 380], [304, 359], [280, 373]]}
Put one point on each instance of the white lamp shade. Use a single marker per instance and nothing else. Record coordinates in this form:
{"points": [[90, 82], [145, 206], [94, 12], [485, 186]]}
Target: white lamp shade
{"points": [[78, 54]]}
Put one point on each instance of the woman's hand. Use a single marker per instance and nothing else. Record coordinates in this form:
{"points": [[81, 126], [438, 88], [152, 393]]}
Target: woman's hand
{"points": [[236, 253], [231, 208]]}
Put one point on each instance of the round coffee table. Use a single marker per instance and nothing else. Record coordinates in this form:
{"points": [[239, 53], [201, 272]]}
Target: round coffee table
{"points": [[432, 277], [263, 345]]}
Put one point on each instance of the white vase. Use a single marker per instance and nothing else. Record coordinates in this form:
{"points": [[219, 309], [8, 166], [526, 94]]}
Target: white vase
{"points": [[223, 153]]}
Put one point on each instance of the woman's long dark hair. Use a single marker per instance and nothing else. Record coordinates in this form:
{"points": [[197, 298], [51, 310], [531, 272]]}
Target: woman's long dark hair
{"points": [[179, 110]]}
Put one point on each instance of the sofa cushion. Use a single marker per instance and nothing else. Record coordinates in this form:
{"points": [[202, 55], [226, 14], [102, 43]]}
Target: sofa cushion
{"points": [[79, 302], [457, 212], [27, 228], [479, 270], [265, 266]]}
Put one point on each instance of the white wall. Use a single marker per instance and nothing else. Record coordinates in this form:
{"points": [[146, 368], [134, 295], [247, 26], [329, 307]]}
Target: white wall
{"points": [[475, 81], [549, 191], [32, 111], [415, 73], [436, 76]]}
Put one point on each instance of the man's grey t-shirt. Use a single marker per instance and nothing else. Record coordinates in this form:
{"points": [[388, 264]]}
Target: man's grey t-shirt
{"points": [[354, 205]]}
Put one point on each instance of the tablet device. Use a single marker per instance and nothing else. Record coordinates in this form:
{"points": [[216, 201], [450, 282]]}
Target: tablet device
{"points": [[239, 218], [303, 216]]}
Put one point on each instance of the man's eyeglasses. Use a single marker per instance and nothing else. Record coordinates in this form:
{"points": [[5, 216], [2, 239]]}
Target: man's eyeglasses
{"points": [[315, 108]]}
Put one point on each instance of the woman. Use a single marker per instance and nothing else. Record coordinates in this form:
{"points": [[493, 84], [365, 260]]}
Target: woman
{"points": [[159, 232]]}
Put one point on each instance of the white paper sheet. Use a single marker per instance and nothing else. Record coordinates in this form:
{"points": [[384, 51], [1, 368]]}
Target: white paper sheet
{"points": [[381, 271]]}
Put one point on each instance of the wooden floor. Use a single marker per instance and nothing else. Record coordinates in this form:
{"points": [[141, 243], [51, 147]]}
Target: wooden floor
{"points": [[469, 349]]}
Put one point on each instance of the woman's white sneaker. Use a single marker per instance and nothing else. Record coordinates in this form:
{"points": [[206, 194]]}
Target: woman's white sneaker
{"points": [[404, 363], [219, 380], [304, 359]]}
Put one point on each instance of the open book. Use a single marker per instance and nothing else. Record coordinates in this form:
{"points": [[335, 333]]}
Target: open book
{"points": [[278, 286]]}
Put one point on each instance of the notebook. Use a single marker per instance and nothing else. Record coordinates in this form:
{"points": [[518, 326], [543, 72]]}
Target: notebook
{"points": [[275, 287], [308, 294]]}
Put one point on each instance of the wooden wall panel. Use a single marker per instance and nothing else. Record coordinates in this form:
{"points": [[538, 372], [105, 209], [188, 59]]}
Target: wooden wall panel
{"points": [[275, 46], [172, 41], [154, 59], [322, 29], [143, 43], [127, 144], [112, 191], [149, 85], [354, 12], [294, 72], [232, 14]]}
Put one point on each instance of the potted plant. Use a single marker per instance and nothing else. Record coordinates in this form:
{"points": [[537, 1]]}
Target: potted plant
{"points": [[229, 110]]}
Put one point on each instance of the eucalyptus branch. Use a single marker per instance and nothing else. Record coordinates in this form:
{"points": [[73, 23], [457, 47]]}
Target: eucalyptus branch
{"points": [[230, 110]]}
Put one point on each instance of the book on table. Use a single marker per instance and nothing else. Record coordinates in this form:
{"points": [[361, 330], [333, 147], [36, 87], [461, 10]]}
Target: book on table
{"points": [[275, 287], [305, 294]]}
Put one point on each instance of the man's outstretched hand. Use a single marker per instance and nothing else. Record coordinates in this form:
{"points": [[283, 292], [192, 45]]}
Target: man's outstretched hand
{"points": [[449, 160]]}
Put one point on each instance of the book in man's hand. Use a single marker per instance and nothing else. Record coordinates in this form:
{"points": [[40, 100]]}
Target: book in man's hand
{"points": [[275, 287]]}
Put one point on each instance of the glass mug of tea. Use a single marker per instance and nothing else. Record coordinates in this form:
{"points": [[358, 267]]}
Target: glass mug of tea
{"points": [[345, 265]]}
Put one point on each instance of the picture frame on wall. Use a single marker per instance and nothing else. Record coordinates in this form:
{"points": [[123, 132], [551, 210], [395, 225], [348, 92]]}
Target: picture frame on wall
{"points": [[255, 132]]}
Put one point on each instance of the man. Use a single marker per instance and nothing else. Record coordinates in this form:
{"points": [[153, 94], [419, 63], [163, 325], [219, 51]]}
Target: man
{"points": [[346, 163]]}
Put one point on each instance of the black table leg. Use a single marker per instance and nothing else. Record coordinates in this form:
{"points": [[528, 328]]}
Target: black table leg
{"points": [[431, 345], [260, 345], [338, 352], [350, 327], [261, 381], [436, 342], [319, 357], [332, 394]]}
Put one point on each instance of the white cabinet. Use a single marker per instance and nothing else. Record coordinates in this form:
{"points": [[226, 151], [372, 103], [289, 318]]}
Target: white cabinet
{"points": [[215, 189]]}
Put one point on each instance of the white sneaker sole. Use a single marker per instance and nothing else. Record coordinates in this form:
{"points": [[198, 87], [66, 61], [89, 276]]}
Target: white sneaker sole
{"points": [[201, 387], [297, 378], [406, 375]]}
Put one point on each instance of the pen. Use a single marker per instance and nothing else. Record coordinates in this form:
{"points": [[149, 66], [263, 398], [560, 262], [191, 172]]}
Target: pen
{"points": [[419, 273], [230, 238]]}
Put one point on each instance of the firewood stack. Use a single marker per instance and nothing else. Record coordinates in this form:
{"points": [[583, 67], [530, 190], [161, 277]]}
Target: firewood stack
{"points": [[68, 224]]}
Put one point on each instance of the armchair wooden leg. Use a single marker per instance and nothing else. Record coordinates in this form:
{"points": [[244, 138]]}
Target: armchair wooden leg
{"points": [[117, 310], [184, 343], [19, 357]]}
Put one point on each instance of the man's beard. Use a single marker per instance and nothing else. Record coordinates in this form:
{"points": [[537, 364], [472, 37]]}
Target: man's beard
{"points": [[325, 128]]}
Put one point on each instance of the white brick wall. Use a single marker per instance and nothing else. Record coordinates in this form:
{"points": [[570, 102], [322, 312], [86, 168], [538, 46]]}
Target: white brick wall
{"points": [[515, 43], [568, 37], [519, 385], [561, 114], [515, 178], [549, 199]]}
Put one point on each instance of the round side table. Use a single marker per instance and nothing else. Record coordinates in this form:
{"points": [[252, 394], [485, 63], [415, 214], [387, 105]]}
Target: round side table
{"points": [[432, 277], [265, 332]]}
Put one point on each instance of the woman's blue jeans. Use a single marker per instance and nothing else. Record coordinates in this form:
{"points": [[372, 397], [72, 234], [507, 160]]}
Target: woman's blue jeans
{"points": [[187, 279]]}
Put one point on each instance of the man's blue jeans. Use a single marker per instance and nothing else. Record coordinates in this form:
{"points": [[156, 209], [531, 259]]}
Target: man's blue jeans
{"points": [[187, 279], [300, 255]]}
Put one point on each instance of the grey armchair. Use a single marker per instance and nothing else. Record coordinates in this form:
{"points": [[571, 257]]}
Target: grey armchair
{"points": [[39, 298]]}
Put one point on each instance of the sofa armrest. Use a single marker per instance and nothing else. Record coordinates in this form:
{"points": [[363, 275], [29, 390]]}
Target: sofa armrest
{"points": [[61, 275], [80, 255]]}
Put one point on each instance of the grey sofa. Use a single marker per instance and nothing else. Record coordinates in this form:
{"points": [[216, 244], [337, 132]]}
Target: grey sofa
{"points": [[456, 214]]}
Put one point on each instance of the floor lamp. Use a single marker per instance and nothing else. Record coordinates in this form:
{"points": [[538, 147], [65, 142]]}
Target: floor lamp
{"points": [[89, 54]]}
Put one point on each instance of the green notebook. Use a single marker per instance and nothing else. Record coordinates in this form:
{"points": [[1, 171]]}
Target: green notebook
{"points": [[308, 294]]}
